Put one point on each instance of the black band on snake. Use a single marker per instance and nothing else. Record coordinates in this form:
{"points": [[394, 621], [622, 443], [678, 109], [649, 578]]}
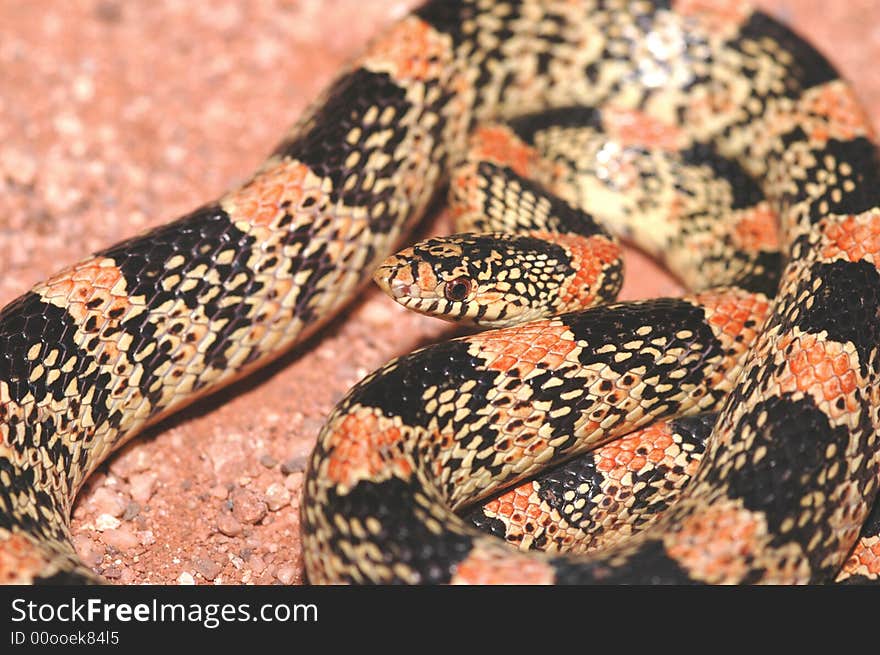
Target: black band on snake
{"points": [[135, 332]]}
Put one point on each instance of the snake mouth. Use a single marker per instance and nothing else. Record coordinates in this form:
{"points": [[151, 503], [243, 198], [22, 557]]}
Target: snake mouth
{"points": [[402, 290], [386, 278]]}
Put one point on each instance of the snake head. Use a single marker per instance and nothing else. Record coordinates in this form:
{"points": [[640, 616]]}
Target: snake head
{"points": [[490, 280]]}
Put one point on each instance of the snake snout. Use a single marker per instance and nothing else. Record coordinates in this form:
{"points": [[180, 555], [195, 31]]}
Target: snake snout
{"points": [[391, 276]]}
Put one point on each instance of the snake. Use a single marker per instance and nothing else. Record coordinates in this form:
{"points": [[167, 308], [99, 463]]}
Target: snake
{"points": [[134, 332], [614, 491]]}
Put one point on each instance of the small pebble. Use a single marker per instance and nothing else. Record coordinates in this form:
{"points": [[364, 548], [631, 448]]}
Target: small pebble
{"points": [[131, 511], [106, 522], [219, 491], [112, 572], [209, 569], [294, 465], [268, 461], [107, 501], [228, 524], [127, 577], [247, 507], [80, 511], [18, 166], [91, 552], [294, 481], [186, 578], [122, 538], [83, 88], [286, 574], [143, 486], [277, 496], [131, 462]]}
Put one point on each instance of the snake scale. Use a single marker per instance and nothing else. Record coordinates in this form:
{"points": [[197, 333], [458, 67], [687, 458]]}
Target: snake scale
{"points": [[102, 349]]}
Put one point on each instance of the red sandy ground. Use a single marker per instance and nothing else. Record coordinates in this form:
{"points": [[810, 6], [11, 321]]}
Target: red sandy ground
{"points": [[116, 116]]}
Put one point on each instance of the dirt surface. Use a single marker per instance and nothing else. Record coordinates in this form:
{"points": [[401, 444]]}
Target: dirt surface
{"points": [[116, 116]]}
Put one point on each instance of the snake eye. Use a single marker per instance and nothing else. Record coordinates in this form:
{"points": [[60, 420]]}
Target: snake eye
{"points": [[458, 289]]}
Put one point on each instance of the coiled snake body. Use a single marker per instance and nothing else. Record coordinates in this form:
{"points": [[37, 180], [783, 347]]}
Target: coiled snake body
{"points": [[115, 342]]}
